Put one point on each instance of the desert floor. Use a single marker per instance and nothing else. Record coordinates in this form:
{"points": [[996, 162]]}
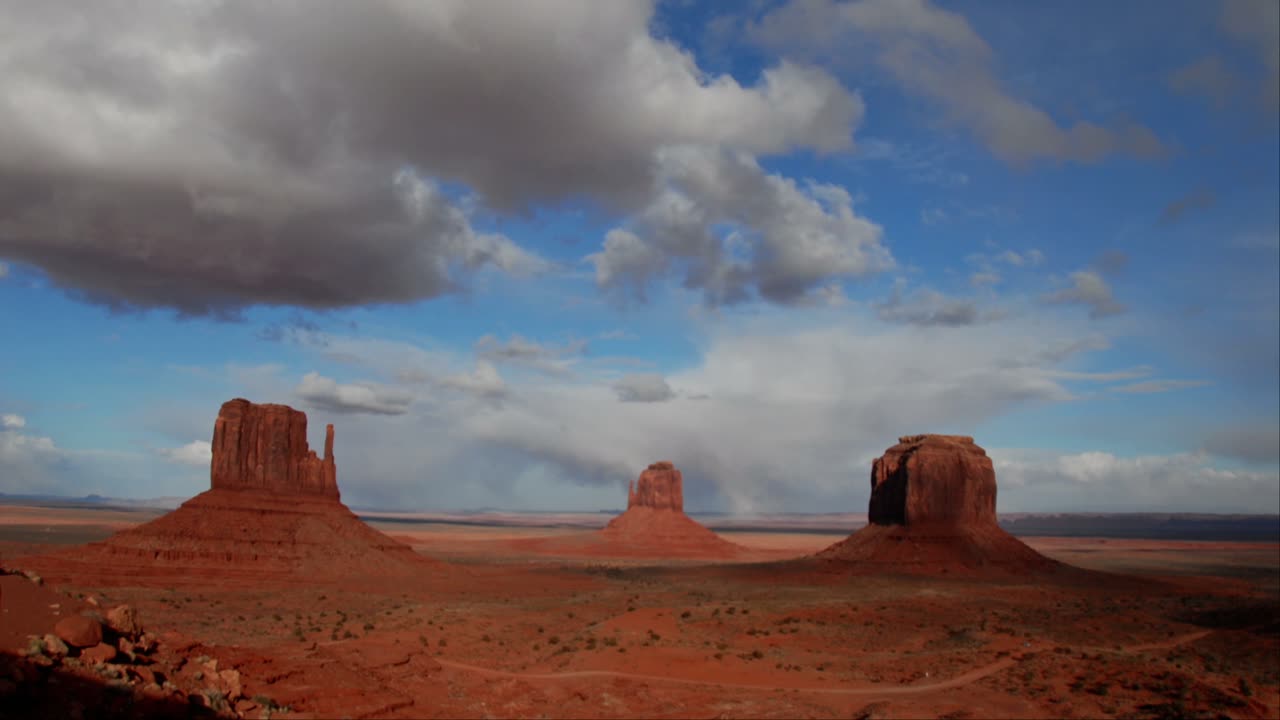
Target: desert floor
{"points": [[500, 628]]}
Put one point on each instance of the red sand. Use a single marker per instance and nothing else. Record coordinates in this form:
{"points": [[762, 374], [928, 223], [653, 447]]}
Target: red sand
{"points": [[527, 637]]}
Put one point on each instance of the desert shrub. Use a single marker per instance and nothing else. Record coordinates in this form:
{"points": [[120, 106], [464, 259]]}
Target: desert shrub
{"points": [[217, 700], [36, 646], [553, 639], [267, 703], [685, 615]]}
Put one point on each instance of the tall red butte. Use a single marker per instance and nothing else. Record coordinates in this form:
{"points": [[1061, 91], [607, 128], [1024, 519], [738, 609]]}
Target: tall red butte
{"points": [[933, 509], [273, 506], [655, 525]]}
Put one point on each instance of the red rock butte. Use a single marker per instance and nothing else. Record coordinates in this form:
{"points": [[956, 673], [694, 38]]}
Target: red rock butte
{"points": [[661, 487], [655, 525], [933, 509], [273, 506], [264, 447]]}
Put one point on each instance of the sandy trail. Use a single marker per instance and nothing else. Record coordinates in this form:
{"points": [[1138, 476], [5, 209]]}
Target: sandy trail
{"points": [[1166, 644], [956, 682]]}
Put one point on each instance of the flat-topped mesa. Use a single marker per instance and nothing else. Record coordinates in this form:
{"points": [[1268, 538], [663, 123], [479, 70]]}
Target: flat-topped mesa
{"points": [[933, 480], [264, 447], [660, 487]]}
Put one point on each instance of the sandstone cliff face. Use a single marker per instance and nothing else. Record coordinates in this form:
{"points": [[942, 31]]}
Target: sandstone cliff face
{"points": [[660, 487], [272, 511], [933, 511], [935, 480], [655, 525], [264, 447]]}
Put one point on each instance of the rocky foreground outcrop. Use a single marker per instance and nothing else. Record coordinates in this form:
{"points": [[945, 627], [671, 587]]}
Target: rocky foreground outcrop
{"points": [[63, 657], [933, 510], [273, 507]]}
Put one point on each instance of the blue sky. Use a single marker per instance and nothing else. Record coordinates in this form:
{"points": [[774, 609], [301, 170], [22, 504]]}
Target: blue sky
{"points": [[517, 252]]}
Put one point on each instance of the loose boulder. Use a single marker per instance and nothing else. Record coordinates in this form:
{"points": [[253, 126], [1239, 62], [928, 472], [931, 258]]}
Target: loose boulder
{"points": [[123, 619], [79, 631]]}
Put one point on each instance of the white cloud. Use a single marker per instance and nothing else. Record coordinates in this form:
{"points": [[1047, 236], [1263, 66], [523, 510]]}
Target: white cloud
{"points": [[643, 387], [1107, 376], [11, 421], [484, 381], [1089, 289], [1032, 480], [813, 400], [1031, 257], [36, 465], [784, 240], [1158, 386], [517, 350], [365, 397], [816, 395], [936, 54], [927, 308], [197, 453], [1256, 24], [981, 279]]}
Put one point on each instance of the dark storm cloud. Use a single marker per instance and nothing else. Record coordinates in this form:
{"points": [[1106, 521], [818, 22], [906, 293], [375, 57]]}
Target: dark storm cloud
{"points": [[207, 156]]}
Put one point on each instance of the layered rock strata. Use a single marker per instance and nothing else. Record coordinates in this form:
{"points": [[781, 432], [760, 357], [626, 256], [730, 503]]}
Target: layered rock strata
{"points": [[933, 510]]}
